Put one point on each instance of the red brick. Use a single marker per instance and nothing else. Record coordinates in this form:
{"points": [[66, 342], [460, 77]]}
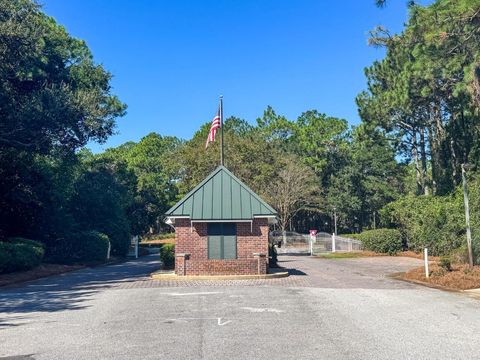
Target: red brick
{"points": [[193, 240]]}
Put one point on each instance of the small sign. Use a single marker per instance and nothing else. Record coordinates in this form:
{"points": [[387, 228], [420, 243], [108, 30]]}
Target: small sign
{"points": [[313, 232]]}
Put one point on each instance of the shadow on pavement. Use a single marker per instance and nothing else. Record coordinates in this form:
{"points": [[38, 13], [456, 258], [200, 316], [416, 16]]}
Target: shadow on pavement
{"points": [[292, 271], [70, 291]]}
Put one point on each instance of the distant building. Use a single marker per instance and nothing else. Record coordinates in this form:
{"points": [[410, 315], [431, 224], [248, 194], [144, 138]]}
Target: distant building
{"points": [[221, 228]]}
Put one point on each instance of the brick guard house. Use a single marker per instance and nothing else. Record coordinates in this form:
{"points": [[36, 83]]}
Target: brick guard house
{"points": [[221, 228]]}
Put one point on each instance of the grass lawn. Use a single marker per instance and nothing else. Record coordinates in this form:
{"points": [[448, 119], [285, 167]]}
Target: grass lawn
{"points": [[158, 241], [357, 254], [346, 255]]}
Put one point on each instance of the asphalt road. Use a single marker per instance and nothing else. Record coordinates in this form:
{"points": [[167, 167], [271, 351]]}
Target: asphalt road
{"points": [[327, 309]]}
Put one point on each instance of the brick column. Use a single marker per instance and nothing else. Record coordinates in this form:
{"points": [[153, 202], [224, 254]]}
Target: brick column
{"points": [[261, 263], [181, 263]]}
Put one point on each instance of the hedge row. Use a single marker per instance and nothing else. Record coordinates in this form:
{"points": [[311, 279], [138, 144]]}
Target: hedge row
{"points": [[435, 222], [19, 254], [167, 255], [386, 241], [81, 247]]}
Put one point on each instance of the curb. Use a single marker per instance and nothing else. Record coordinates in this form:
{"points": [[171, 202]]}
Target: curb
{"points": [[398, 276], [19, 283], [473, 293], [15, 284], [173, 276]]}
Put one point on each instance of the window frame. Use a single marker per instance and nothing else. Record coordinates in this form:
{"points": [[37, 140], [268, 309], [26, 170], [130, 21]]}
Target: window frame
{"points": [[222, 230]]}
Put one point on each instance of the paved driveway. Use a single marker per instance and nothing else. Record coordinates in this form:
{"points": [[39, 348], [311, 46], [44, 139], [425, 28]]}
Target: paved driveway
{"points": [[327, 309]]}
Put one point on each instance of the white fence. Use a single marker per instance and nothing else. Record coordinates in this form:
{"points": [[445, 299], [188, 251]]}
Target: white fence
{"points": [[292, 243]]}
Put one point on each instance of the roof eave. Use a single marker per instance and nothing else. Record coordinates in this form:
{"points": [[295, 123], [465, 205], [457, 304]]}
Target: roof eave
{"points": [[272, 219]]}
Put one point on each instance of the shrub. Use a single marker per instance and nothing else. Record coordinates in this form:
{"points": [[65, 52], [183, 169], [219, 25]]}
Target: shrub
{"points": [[387, 241], [162, 236], [95, 246], [18, 254], [435, 222], [119, 235], [438, 222], [445, 263], [81, 247], [4, 256], [350, 236], [272, 254], [20, 240], [167, 255], [100, 203]]}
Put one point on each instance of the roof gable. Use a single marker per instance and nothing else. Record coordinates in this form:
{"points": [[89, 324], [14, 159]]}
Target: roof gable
{"points": [[221, 196]]}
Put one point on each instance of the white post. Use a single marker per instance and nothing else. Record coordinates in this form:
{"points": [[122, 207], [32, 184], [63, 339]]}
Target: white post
{"points": [[467, 216], [427, 274], [311, 245], [335, 217], [108, 250], [136, 247], [333, 242]]}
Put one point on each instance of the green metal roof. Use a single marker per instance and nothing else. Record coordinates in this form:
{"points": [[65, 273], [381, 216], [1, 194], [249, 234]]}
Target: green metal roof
{"points": [[221, 196]]}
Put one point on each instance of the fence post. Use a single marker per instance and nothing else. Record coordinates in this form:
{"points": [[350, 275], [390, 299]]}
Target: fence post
{"points": [[333, 242], [427, 273]]}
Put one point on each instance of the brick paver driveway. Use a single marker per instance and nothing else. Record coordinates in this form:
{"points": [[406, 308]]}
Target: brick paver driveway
{"points": [[327, 309]]}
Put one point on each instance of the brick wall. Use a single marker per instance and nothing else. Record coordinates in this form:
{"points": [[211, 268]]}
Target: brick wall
{"points": [[194, 241]]}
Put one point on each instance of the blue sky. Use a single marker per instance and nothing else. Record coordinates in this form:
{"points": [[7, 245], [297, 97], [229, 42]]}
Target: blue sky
{"points": [[172, 59]]}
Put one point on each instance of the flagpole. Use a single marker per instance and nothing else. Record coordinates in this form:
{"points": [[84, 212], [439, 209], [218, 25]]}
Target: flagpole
{"points": [[221, 128]]}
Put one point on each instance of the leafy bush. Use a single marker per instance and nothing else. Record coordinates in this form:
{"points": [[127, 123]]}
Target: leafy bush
{"points": [[460, 255], [387, 241], [438, 222], [162, 236], [149, 245], [95, 246], [99, 204], [4, 256], [20, 240], [272, 254], [81, 247], [167, 255], [446, 263], [350, 236], [435, 222], [18, 254], [118, 233]]}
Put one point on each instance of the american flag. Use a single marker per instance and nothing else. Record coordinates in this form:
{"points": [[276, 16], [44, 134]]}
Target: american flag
{"points": [[213, 128]]}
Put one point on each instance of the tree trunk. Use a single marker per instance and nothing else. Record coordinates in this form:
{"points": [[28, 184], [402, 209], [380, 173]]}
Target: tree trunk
{"points": [[417, 166], [423, 155], [433, 162], [436, 138], [283, 227], [453, 162]]}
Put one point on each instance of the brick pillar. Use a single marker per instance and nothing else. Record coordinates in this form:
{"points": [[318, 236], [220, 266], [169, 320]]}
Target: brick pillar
{"points": [[261, 263], [181, 264]]}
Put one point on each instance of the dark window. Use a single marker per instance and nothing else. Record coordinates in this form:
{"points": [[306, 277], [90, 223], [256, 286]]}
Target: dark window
{"points": [[222, 240]]}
